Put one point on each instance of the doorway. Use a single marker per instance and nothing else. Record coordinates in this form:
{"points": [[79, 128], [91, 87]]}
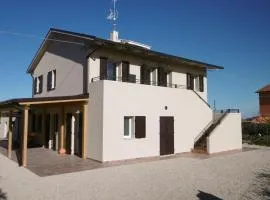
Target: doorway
{"points": [[166, 135]]}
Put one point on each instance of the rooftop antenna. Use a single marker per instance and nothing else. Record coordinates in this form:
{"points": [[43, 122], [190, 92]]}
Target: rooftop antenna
{"points": [[113, 16]]}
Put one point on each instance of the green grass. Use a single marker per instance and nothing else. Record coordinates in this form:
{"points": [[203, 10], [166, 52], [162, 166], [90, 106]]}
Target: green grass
{"points": [[263, 140]]}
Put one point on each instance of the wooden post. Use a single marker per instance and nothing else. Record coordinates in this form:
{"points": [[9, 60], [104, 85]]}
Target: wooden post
{"points": [[25, 136], [62, 130], [84, 128], [10, 132], [72, 134]]}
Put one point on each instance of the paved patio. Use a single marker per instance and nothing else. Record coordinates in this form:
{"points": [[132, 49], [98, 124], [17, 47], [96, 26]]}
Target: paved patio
{"points": [[46, 162]]}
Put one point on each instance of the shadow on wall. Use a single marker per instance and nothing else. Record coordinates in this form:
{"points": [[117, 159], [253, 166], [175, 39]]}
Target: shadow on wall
{"points": [[3, 195], [206, 196]]}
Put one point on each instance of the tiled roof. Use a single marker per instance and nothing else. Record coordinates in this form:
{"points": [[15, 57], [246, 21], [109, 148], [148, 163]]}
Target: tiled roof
{"points": [[264, 89]]}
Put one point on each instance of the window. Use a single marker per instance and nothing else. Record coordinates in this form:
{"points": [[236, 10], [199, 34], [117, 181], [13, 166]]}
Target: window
{"points": [[162, 77], [134, 127], [190, 81], [51, 80], [128, 127], [201, 83], [107, 69], [38, 85], [145, 75]]}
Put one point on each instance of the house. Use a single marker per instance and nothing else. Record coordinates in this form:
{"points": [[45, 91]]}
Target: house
{"points": [[116, 99], [264, 100]]}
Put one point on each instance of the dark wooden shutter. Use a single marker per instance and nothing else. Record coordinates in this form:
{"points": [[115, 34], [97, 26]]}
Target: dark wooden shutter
{"points": [[49, 80], [125, 71], [201, 83], [140, 127], [145, 75], [40, 84], [162, 77], [103, 69], [35, 85], [54, 78], [190, 81]]}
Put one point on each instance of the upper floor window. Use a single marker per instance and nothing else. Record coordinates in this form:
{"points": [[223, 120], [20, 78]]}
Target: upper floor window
{"points": [[38, 84], [190, 81], [51, 80], [200, 83], [145, 75], [107, 69]]}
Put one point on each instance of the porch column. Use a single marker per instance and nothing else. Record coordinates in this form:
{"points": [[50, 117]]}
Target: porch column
{"points": [[84, 128], [25, 135], [62, 130], [72, 134], [10, 132]]}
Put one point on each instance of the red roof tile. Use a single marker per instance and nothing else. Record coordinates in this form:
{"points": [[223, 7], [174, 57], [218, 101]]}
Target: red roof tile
{"points": [[264, 89]]}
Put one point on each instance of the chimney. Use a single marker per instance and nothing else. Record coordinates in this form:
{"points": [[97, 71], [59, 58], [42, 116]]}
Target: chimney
{"points": [[114, 36]]}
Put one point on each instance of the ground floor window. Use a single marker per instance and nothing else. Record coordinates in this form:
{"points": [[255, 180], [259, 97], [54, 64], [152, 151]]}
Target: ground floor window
{"points": [[134, 127]]}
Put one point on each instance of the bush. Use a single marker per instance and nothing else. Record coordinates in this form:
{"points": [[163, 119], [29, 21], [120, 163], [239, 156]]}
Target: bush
{"points": [[256, 133]]}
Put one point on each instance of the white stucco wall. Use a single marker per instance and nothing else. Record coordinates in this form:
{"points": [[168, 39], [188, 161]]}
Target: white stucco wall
{"points": [[94, 68], [95, 121], [226, 136], [191, 115]]}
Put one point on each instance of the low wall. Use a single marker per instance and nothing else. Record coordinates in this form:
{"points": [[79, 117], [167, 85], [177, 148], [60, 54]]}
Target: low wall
{"points": [[226, 136]]}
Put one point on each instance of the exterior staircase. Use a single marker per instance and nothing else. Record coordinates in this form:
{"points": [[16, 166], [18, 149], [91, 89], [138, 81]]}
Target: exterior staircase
{"points": [[200, 144]]}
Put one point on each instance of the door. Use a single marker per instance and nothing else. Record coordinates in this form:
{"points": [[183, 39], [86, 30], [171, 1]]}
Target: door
{"points": [[166, 135], [68, 132]]}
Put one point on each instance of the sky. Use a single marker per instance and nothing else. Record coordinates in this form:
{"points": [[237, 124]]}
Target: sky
{"points": [[234, 34]]}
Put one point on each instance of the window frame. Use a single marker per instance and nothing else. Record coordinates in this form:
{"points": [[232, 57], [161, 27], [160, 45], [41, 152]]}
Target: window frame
{"points": [[51, 80], [38, 84], [131, 123]]}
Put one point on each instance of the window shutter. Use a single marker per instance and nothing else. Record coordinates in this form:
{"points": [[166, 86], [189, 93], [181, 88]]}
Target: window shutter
{"points": [[49, 80], [140, 127], [190, 81], [143, 69], [125, 71], [54, 71], [201, 83], [162, 77], [40, 84], [103, 69], [35, 86]]}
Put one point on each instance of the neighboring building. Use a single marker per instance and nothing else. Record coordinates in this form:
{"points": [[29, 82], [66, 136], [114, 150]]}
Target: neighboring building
{"points": [[116, 99], [264, 100]]}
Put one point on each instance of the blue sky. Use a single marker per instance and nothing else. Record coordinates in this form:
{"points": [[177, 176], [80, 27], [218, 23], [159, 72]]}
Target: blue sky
{"points": [[233, 34]]}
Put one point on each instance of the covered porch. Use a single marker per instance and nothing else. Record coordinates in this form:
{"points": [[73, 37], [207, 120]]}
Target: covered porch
{"points": [[58, 124]]}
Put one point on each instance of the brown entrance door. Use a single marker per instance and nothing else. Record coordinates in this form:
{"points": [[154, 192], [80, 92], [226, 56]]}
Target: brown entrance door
{"points": [[166, 135]]}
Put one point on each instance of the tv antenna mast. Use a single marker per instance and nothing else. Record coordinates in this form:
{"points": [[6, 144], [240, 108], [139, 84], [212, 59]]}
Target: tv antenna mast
{"points": [[113, 16]]}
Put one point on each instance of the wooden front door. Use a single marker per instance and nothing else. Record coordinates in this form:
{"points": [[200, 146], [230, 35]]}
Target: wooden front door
{"points": [[166, 135]]}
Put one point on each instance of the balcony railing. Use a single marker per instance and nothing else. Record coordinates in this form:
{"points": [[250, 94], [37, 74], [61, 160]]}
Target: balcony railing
{"points": [[132, 79]]}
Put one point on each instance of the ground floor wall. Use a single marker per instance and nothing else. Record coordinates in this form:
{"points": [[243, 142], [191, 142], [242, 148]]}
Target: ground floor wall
{"points": [[226, 136], [189, 112], [4, 127]]}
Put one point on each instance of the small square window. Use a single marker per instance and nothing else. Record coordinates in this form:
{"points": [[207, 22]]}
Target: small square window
{"points": [[128, 127]]}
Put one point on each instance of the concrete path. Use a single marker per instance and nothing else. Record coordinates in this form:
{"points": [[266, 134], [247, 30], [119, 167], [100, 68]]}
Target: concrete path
{"points": [[222, 177]]}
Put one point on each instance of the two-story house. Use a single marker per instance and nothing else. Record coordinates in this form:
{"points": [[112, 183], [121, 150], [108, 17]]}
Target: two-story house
{"points": [[115, 99], [264, 100]]}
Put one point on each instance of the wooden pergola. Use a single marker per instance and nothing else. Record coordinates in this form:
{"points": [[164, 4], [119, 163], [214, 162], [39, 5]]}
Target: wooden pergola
{"points": [[22, 107]]}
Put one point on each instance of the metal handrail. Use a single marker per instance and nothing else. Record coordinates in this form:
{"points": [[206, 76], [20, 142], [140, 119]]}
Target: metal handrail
{"points": [[139, 81]]}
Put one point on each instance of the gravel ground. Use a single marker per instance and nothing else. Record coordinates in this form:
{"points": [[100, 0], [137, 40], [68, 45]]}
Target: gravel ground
{"points": [[225, 177]]}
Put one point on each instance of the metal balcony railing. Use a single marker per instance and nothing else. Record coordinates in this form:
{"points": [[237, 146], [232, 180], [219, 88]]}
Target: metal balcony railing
{"points": [[132, 79]]}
